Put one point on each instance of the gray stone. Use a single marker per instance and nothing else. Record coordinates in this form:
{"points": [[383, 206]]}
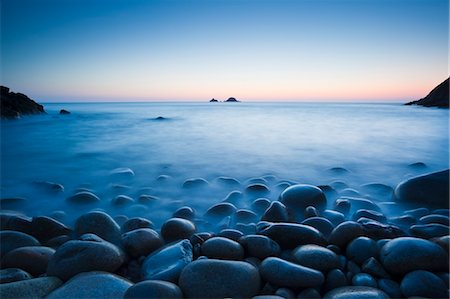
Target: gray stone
{"points": [[428, 231], [136, 223], [13, 274], [195, 183], [177, 229], [222, 248], [83, 197], [219, 279], [141, 242], [344, 233], [297, 197], [30, 288], [390, 287], [291, 235], [101, 224], [423, 284], [46, 228], [260, 246], [232, 234], [168, 262], [275, 213], [360, 249], [187, 213], [153, 289], [10, 240], [94, 284], [260, 205], [355, 292], [373, 267], [286, 274], [364, 279], [33, 259], [316, 257], [335, 279], [321, 224]]}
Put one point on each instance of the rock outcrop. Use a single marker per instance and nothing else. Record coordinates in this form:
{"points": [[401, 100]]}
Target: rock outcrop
{"points": [[438, 97], [213, 100], [14, 105], [231, 100]]}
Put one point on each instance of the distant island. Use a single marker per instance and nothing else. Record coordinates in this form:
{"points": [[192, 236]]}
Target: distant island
{"points": [[213, 100], [438, 97], [14, 105]]}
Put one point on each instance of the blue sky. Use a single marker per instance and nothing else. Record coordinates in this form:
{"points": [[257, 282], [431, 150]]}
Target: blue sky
{"points": [[282, 50]]}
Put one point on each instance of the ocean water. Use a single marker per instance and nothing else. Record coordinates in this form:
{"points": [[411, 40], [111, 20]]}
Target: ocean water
{"points": [[298, 142]]}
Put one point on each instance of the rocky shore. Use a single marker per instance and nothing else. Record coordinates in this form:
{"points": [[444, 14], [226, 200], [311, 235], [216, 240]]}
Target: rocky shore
{"points": [[327, 241], [438, 97], [14, 105]]}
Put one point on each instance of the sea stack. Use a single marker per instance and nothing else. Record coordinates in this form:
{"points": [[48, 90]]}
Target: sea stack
{"points": [[14, 105], [231, 100], [213, 100], [438, 97]]}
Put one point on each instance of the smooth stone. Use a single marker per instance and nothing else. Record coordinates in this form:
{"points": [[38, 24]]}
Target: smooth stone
{"points": [[338, 170], [219, 279], [417, 213], [358, 203], [74, 257], [377, 230], [428, 231], [373, 267], [195, 183], [29, 288], [418, 166], [344, 233], [256, 181], [330, 193], [257, 188], [220, 211], [141, 242], [147, 199], [13, 274], [260, 246], [377, 189], [120, 219], [443, 212], [122, 200], [445, 278], [56, 242], [276, 212], [349, 192], [153, 289], [291, 235], [338, 185], [321, 224], [83, 197], [309, 293], [94, 284], [16, 222], [46, 228], [423, 284], [32, 259], [297, 197], [361, 249], [227, 181], [355, 292], [49, 187], [10, 240], [403, 221], [369, 214], [285, 293], [222, 248], [343, 206], [402, 255], [334, 217], [177, 229], [316, 257], [335, 279], [187, 213], [311, 212], [435, 218], [232, 234], [234, 197], [245, 216], [353, 267], [428, 189], [444, 242], [168, 262], [122, 172], [364, 279], [136, 223], [390, 287], [101, 224], [286, 274]]}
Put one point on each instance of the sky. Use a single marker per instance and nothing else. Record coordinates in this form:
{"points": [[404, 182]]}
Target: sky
{"points": [[195, 50]]}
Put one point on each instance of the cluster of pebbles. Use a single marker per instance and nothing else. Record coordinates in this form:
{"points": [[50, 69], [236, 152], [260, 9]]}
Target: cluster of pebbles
{"points": [[311, 242]]}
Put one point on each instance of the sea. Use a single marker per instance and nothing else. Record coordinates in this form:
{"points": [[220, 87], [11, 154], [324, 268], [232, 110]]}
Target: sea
{"points": [[156, 147]]}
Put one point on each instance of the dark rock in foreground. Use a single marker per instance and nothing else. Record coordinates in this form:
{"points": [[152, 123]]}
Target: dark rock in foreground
{"points": [[14, 105], [438, 97], [429, 189]]}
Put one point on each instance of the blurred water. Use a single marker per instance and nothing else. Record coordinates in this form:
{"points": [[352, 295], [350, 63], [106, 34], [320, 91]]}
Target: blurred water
{"points": [[295, 141]]}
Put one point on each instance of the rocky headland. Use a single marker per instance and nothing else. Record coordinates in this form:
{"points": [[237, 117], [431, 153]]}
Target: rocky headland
{"points": [[14, 105], [438, 97]]}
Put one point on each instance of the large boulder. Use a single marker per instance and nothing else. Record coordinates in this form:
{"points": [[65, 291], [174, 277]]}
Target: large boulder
{"points": [[430, 189], [30, 288], [14, 105], [297, 197]]}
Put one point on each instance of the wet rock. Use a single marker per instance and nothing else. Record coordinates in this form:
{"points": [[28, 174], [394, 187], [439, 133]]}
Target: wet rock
{"points": [[309, 293], [10, 240], [64, 112], [234, 197], [286, 274], [187, 213], [136, 223], [93, 285], [444, 242], [245, 216], [168, 262], [220, 211], [285, 293], [443, 212], [260, 246], [153, 289], [358, 203], [364, 279], [423, 284], [360, 249], [122, 173], [46, 228], [377, 216], [83, 197], [296, 198], [349, 192], [330, 193], [343, 206], [338, 185], [101, 224], [417, 166], [13, 274], [78, 256], [402, 255], [56, 242], [355, 292], [227, 181], [428, 231], [316, 257], [32, 259], [146, 199], [403, 221], [418, 213], [377, 190], [373, 267], [177, 229], [14, 105], [334, 217], [435, 218], [321, 224], [310, 212], [141, 242], [291, 235], [195, 183], [16, 222], [224, 279], [29, 288], [344, 233], [222, 248], [335, 279], [429, 189], [122, 200], [390, 287], [49, 187], [275, 213], [257, 189], [232, 234], [377, 230]]}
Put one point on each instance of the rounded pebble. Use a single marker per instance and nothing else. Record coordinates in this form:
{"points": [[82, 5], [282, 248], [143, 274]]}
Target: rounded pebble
{"points": [[32, 259], [153, 289], [222, 248], [316, 257], [297, 197], [101, 224], [260, 246], [360, 249], [141, 242], [423, 284], [177, 229]]}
